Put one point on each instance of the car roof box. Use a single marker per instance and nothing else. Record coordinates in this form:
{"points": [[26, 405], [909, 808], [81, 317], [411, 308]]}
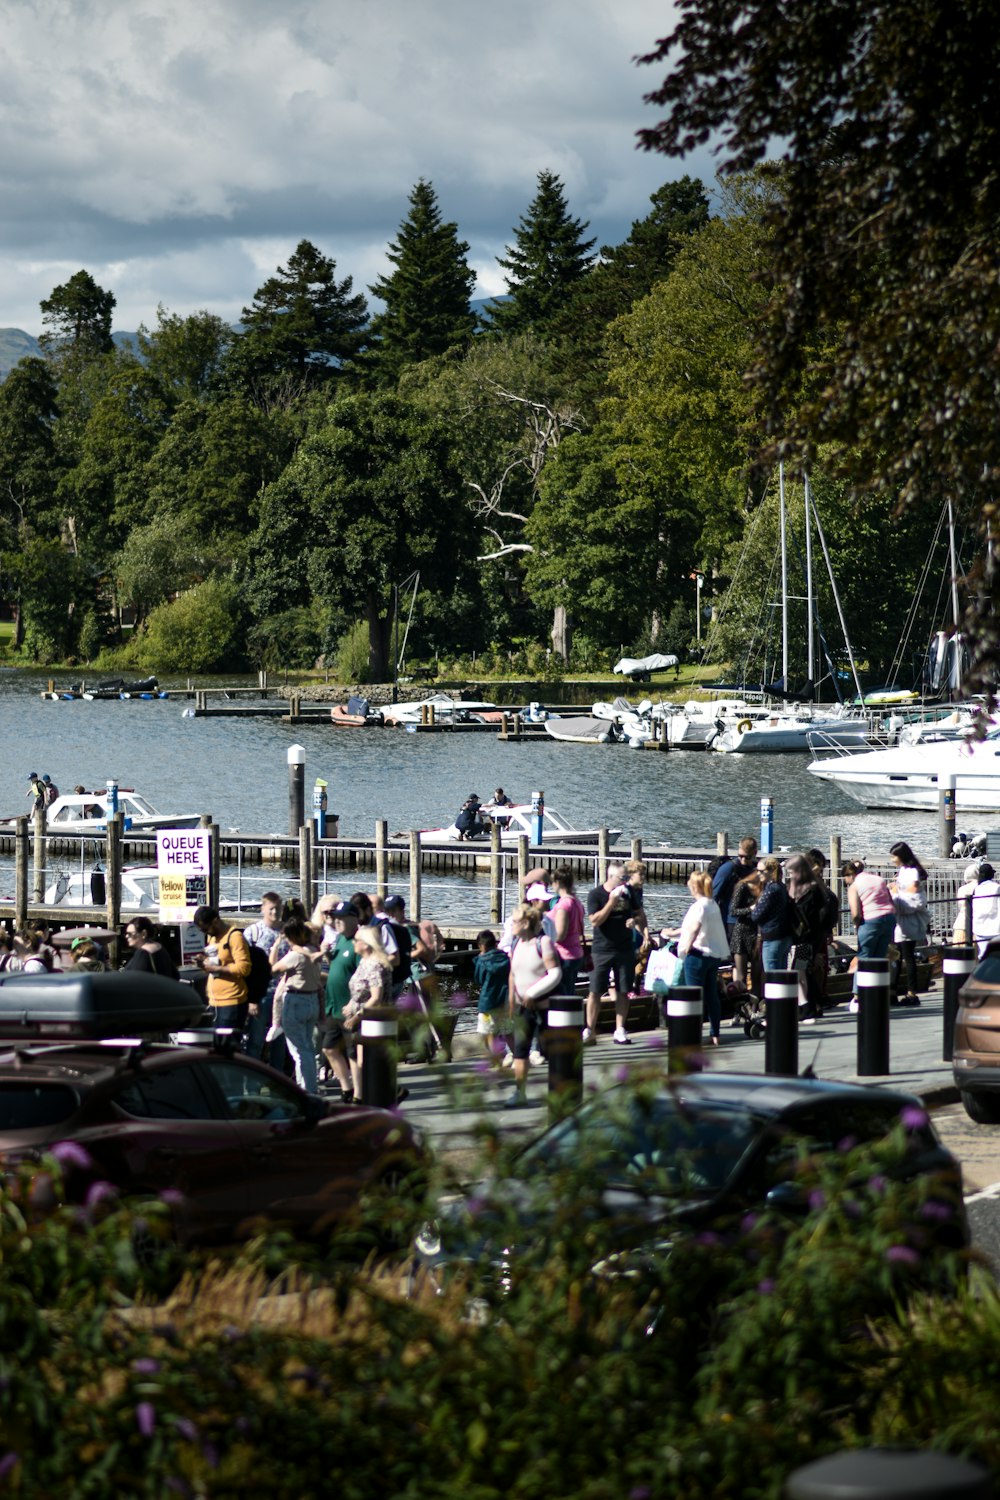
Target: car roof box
{"points": [[95, 1005]]}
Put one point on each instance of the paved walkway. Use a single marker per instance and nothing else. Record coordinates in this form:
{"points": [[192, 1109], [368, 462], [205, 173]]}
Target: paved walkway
{"points": [[449, 1101]]}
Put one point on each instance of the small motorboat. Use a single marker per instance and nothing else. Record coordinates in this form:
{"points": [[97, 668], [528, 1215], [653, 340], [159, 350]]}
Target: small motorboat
{"points": [[518, 820], [445, 710], [356, 713], [86, 814], [119, 687], [582, 729]]}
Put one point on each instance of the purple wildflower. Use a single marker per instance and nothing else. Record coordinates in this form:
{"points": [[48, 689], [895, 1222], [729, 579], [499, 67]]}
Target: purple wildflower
{"points": [[621, 1074], [748, 1223], [766, 1287], [912, 1117], [640, 1492], [408, 1000], [186, 1428], [847, 1144], [877, 1183], [8, 1463], [937, 1211], [459, 1000], [656, 1043], [707, 1237], [145, 1366], [71, 1154], [145, 1418], [172, 1196], [902, 1255], [482, 1067], [210, 1454], [98, 1193], [817, 1200]]}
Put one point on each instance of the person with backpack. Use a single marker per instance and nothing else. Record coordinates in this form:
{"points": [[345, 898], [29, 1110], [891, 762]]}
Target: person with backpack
{"points": [[727, 870], [228, 969], [394, 908]]}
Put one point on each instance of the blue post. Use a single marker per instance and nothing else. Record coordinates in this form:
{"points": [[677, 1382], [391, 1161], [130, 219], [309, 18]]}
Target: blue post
{"points": [[766, 825], [319, 807], [537, 816]]}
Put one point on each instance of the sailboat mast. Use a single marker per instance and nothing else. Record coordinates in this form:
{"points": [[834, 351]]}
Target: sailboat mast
{"points": [[810, 669], [954, 564], [784, 579]]}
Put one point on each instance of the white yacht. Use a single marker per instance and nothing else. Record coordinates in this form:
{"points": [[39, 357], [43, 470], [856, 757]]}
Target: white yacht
{"points": [[910, 776], [792, 729]]}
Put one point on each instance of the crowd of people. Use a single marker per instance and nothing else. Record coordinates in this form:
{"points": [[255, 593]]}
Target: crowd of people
{"points": [[296, 986]]}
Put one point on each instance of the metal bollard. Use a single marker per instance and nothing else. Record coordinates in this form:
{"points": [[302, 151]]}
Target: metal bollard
{"points": [[889, 1474], [683, 1010], [958, 964], [379, 1029], [873, 1016], [781, 1014], [564, 1048]]}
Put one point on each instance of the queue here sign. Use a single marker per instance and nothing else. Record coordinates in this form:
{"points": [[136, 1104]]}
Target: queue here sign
{"points": [[184, 863]]}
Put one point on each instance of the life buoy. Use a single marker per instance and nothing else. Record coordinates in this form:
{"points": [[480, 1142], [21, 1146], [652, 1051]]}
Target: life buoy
{"points": [[744, 725]]}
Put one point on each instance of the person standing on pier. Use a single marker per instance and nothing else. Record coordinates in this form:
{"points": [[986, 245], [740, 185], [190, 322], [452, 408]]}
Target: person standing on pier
{"points": [[228, 969], [775, 917], [264, 934], [727, 873], [609, 907], [702, 944], [535, 973]]}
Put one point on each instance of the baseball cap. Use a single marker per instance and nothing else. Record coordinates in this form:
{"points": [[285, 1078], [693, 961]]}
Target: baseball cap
{"points": [[538, 892], [345, 909], [394, 903]]}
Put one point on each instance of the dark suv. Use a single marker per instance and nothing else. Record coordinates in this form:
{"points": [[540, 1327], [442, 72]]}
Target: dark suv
{"points": [[228, 1140]]}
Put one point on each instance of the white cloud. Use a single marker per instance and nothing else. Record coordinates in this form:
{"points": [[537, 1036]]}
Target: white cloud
{"points": [[186, 146]]}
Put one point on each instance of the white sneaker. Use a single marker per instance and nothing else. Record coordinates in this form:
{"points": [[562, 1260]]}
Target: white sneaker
{"points": [[536, 1059], [853, 1007], [588, 1037], [508, 1060], [621, 1037]]}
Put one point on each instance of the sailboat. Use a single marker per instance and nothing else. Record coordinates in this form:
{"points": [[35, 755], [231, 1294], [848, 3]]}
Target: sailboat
{"points": [[790, 728]]}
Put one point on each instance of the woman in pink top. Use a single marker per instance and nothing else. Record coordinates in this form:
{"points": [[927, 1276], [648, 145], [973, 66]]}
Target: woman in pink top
{"points": [[870, 902], [567, 918]]}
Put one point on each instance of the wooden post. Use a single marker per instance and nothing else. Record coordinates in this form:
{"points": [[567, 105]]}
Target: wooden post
{"points": [[382, 857], [38, 885], [496, 873], [603, 846], [517, 726], [213, 865], [21, 874], [637, 850], [722, 843], [522, 863], [305, 868], [504, 729], [415, 873], [113, 880], [835, 882]]}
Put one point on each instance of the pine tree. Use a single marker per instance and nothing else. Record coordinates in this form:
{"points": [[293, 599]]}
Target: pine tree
{"points": [[302, 321], [547, 260], [427, 293], [78, 317]]}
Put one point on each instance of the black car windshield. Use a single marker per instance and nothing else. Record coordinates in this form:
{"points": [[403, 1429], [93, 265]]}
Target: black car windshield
{"points": [[684, 1148], [27, 1106]]}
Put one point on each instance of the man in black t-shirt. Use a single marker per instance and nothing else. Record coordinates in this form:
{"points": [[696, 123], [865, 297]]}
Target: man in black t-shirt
{"points": [[609, 907]]}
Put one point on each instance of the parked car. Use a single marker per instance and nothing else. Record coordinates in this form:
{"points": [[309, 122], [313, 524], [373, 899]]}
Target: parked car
{"points": [[976, 1053], [678, 1155], [232, 1142]]}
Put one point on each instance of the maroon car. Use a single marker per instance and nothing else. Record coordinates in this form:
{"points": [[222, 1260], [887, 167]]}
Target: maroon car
{"points": [[229, 1141]]}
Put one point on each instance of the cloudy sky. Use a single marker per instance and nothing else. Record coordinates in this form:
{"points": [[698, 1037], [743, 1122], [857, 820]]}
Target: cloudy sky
{"points": [[180, 149]]}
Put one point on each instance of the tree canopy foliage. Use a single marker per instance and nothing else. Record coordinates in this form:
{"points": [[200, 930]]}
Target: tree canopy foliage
{"points": [[548, 258]]}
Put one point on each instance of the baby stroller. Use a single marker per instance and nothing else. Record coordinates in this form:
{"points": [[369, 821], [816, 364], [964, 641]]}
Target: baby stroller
{"points": [[749, 1013]]}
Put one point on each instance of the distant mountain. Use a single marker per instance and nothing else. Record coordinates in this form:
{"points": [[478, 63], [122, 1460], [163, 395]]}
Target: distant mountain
{"points": [[15, 345]]}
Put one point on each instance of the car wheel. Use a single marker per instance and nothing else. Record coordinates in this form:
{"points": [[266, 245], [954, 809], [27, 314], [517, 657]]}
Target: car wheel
{"points": [[983, 1108]]}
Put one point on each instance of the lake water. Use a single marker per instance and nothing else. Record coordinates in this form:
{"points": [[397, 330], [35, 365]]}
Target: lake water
{"points": [[236, 770]]}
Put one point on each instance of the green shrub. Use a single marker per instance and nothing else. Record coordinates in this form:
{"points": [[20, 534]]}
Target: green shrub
{"points": [[353, 654], [197, 632]]}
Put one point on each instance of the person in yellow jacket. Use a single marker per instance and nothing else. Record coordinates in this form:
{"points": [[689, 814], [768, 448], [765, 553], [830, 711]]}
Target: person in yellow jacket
{"points": [[228, 969]]}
